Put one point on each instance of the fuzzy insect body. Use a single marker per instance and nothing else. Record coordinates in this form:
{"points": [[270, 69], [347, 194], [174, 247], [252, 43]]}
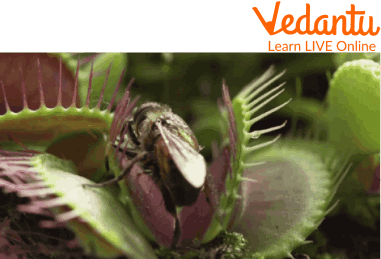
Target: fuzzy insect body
{"points": [[173, 152], [165, 145]]}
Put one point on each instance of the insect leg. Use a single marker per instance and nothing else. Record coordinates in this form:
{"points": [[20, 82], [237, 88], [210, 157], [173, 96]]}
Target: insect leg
{"points": [[131, 134], [121, 176], [177, 233], [129, 152]]}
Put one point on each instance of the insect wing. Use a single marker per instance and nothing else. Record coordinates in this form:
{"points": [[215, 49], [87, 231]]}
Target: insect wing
{"points": [[191, 163]]}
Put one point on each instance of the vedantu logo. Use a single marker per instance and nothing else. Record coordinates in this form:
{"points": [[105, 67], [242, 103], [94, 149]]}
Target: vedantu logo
{"points": [[355, 17]]}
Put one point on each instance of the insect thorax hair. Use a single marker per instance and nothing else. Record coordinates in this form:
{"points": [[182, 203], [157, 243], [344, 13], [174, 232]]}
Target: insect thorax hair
{"points": [[142, 133]]}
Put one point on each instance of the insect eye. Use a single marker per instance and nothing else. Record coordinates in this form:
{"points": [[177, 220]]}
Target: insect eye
{"points": [[164, 123]]}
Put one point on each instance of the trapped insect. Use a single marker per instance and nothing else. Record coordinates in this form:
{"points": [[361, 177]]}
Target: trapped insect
{"points": [[166, 146]]}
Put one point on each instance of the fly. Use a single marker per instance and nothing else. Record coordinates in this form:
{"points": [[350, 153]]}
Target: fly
{"points": [[164, 142]]}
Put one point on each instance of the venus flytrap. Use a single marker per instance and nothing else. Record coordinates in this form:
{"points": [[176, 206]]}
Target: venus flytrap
{"points": [[62, 127], [353, 103], [272, 229], [291, 197], [119, 220], [238, 115], [354, 115]]}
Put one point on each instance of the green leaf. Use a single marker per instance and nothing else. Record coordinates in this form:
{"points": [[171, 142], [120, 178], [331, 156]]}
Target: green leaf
{"points": [[109, 230], [354, 107], [291, 196]]}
